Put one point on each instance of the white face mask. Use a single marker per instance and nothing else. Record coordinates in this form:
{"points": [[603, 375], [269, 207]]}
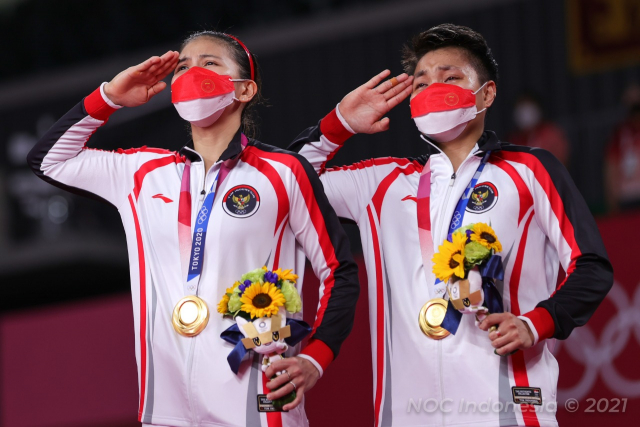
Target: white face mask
{"points": [[442, 111], [201, 95], [204, 112]]}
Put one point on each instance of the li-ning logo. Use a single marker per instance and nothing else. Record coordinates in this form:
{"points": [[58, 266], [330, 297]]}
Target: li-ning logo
{"points": [[241, 201], [202, 217], [208, 85], [483, 197], [451, 99]]}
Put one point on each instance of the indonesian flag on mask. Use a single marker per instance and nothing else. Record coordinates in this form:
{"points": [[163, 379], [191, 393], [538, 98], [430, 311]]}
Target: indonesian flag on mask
{"points": [[201, 95], [442, 111]]}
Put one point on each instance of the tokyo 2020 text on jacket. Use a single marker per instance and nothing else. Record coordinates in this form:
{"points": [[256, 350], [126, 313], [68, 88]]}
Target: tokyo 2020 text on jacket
{"points": [[186, 381], [541, 220]]}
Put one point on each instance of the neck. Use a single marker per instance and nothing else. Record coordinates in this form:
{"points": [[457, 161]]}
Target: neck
{"points": [[458, 149], [211, 142]]}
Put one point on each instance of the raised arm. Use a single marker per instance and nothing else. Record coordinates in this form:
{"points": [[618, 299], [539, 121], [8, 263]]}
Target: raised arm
{"points": [[348, 189], [61, 157]]}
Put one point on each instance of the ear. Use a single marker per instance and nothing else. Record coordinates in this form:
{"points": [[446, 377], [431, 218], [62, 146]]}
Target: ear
{"points": [[245, 91], [489, 93]]}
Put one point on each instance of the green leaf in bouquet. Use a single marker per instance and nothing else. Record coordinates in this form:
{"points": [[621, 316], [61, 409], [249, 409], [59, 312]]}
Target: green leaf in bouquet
{"points": [[293, 304], [234, 302], [256, 275], [475, 253]]}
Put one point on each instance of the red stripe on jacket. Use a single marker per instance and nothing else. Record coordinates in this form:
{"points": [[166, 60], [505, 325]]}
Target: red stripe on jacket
{"points": [[384, 185], [251, 158], [526, 199], [382, 161], [557, 205], [148, 167], [143, 311], [518, 365], [380, 342], [316, 218]]}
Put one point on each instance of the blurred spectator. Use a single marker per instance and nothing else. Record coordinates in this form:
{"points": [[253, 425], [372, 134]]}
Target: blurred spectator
{"points": [[533, 130], [623, 156]]}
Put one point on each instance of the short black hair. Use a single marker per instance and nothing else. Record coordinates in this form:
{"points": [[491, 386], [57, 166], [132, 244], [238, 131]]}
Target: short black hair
{"points": [[451, 35]]}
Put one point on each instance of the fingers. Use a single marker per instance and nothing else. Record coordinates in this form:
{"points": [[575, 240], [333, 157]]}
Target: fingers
{"points": [[492, 319], [375, 81], [156, 89], [391, 84], [381, 125], [296, 402], [285, 390], [401, 96]]}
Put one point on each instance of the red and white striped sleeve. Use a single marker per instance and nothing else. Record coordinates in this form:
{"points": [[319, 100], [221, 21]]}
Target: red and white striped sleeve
{"points": [[349, 188], [319, 232], [62, 158], [565, 219]]}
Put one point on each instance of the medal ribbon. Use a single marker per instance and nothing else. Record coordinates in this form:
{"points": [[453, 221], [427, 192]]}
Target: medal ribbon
{"points": [[192, 246], [452, 318]]}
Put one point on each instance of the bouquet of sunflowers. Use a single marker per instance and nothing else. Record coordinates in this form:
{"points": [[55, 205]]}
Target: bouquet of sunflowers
{"points": [[261, 293], [259, 303], [467, 263]]}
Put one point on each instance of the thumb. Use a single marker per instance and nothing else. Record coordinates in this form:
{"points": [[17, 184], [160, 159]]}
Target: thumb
{"points": [[381, 125], [156, 89]]}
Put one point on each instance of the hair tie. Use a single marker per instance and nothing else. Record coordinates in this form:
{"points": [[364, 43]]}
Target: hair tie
{"points": [[248, 54]]}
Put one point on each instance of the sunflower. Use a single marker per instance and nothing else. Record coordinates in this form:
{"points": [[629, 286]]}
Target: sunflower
{"points": [[485, 235], [262, 300], [450, 258], [286, 275], [232, 288], [223, 305]]}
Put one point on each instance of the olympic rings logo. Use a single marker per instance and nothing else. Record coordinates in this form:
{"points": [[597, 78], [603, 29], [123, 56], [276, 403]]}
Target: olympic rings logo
{"points": [[203, 215], [597, 355], [455, 221]]}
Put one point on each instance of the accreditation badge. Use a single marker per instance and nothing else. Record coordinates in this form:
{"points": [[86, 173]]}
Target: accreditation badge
{"points": [[190, 316], [431, 316]]}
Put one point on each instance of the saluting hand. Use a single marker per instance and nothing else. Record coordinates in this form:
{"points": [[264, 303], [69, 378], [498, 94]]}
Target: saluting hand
{"points": [[364, 108], [138, 84]]}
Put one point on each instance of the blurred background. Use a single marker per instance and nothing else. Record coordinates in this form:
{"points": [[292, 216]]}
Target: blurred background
{"points": [[569, 76]]}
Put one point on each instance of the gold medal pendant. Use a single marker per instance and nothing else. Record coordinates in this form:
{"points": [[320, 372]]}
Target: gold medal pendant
{"points": [[190, 316], [431, 317]]}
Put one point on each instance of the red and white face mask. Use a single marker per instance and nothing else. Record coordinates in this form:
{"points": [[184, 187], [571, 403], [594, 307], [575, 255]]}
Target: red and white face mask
{"points": [[201, 95], [442, 111]]}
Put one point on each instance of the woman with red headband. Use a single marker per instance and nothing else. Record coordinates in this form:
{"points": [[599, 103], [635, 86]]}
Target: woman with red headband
{"points": [[259, 205]]}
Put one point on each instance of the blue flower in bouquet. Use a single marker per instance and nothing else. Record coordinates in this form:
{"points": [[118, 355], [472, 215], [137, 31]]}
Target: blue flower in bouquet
{"points": [[244, 286], [271, 277]]}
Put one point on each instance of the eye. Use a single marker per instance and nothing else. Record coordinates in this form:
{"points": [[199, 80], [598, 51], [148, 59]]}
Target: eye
{"points": [[180, 68], [256, 341], [276, 335], [452, 78]]}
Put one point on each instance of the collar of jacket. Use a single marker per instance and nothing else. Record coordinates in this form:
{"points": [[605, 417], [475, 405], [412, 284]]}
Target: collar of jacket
{"points": [[233, 149], [488, 142]]}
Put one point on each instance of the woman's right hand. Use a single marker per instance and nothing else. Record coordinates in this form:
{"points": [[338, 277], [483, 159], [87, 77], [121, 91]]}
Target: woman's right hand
{"points": [[138, 84]]}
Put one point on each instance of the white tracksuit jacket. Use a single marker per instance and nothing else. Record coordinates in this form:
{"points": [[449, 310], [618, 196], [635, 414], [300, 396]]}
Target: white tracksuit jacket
{"points": [[187, 381], [541, 220]]}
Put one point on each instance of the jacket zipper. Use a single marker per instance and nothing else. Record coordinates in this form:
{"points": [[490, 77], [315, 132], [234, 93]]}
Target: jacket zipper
{"points": [[190, 358], [446, 202]]}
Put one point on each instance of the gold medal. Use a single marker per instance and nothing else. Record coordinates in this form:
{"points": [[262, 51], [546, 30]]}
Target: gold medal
{"points": [[190, 316], [431, 317]]}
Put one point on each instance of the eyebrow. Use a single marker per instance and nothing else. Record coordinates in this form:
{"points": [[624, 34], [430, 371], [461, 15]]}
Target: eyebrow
{"points": [[199, 56], [440, 67]]}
